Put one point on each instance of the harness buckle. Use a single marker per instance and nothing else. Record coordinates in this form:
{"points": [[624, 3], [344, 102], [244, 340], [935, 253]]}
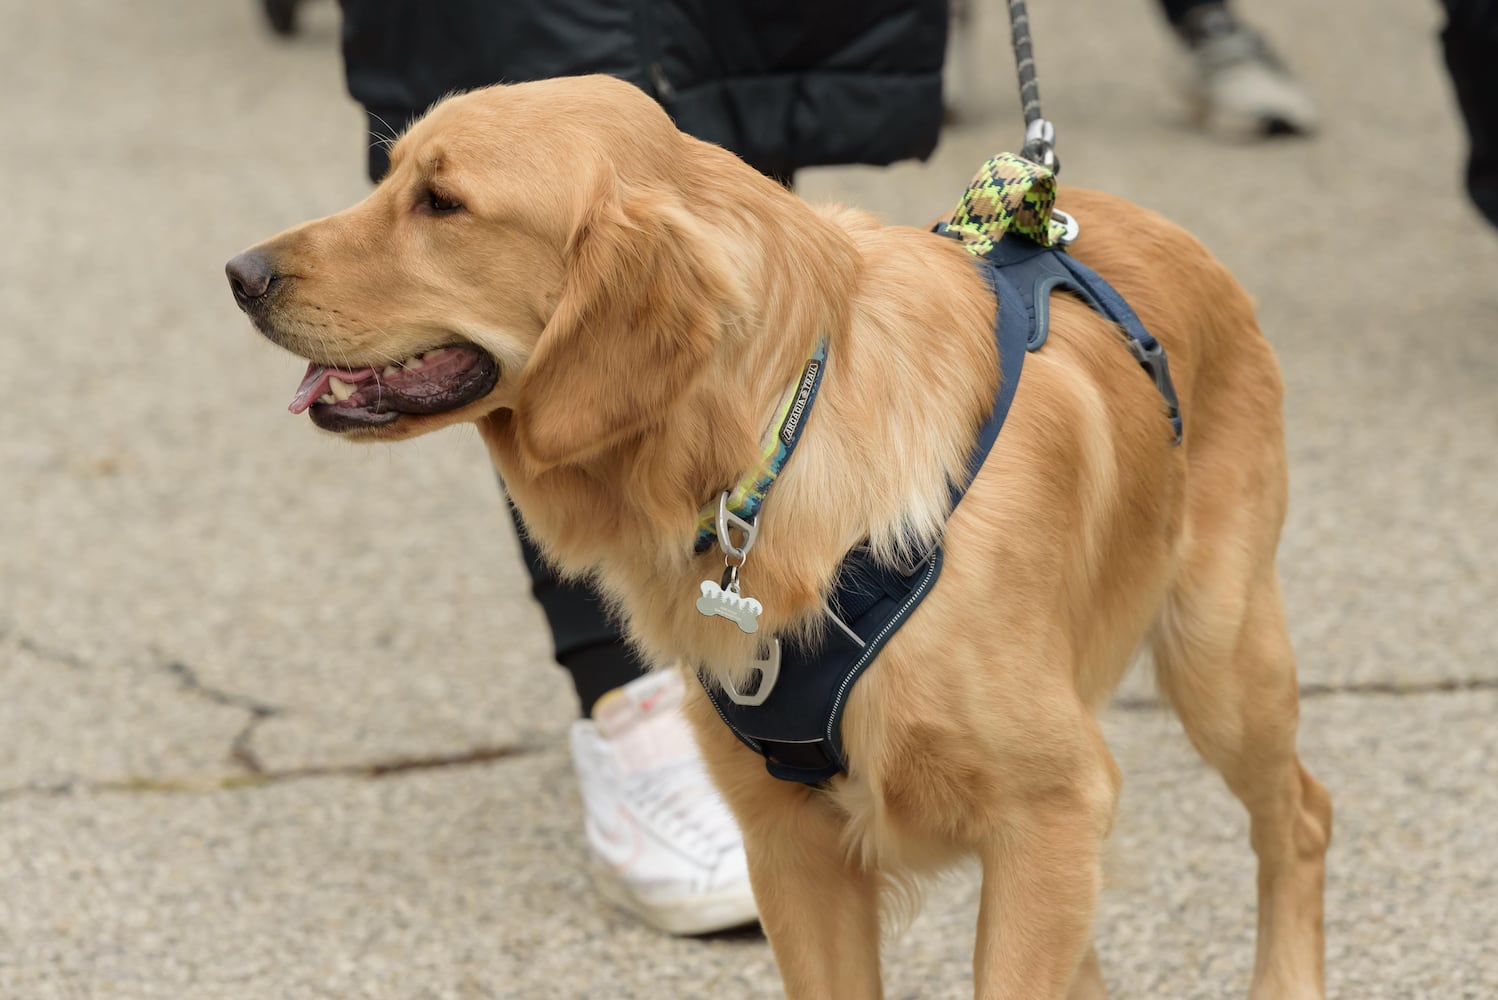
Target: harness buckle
{"points": [[727, 519], [1151, 357], [1148, 355]]}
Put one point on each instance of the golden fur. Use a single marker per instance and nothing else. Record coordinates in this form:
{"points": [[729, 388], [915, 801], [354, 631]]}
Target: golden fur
{"points": [[649, 298]]}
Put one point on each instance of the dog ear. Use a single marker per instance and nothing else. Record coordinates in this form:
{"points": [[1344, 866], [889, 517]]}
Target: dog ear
{"points": [[645, 299]]}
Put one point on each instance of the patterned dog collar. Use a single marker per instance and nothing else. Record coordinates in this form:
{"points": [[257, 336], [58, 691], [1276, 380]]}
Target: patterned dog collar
{"points": [[745, 499]]}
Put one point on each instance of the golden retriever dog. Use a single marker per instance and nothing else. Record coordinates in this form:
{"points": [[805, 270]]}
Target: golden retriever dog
{"points": [[620, 308]]}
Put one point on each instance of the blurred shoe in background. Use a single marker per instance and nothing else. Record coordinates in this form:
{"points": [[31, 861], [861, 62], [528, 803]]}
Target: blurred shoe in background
{"points": [[1238, 86]]}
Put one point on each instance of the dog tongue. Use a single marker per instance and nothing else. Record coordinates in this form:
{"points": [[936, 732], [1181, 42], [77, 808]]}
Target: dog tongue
{"points": [[315, 383]]}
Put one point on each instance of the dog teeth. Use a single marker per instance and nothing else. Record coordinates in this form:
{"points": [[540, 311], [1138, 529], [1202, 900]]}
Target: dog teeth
{"points": [[341, 390], [390, 370], [414, 364], [327, 397]]}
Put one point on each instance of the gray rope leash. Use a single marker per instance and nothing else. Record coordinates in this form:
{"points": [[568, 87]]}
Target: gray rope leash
{"points": [[1040, 134]]}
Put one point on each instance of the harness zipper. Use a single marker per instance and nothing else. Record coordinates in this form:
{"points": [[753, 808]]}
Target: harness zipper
{"points": [[868, 653]]}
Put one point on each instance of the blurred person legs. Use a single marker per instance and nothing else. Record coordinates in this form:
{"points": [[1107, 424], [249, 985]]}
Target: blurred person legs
{"points": [[1470, 42], [587, 644], [661, 841], [1237, 84], [281, 15]]}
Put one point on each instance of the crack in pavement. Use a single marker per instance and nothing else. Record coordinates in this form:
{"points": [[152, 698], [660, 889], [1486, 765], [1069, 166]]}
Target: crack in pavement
{"points": [[259, 776], [375, 769], [200, 784], [241, 748], [35, 789], [251, 770], [1393, 689], [49, 653]]}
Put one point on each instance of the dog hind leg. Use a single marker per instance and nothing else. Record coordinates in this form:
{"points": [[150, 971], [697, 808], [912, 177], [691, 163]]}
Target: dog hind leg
{"points": [[1224, 661], [1088, 984]]}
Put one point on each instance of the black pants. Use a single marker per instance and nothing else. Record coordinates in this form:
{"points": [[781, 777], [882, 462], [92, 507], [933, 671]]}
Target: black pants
{"points": [[588, 644], [1176, 10], [1470, 42]]}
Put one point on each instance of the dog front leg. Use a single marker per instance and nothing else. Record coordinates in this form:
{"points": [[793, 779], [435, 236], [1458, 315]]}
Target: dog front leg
{"points": [[819, 908], [1042, 872]]}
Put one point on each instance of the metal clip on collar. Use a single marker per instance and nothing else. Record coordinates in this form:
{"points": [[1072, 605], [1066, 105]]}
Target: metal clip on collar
{"points": [[727, 520]]}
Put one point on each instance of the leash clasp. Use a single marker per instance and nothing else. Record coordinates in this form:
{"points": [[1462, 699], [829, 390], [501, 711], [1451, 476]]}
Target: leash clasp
{"points": [[1040, 144]]}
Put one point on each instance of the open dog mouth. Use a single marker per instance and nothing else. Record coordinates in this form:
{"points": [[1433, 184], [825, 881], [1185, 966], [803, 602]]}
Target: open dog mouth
{"points": [[446, 378]]}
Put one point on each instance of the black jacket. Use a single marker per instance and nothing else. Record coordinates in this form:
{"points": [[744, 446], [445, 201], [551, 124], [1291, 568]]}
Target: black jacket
{"points": [[783, 83]]}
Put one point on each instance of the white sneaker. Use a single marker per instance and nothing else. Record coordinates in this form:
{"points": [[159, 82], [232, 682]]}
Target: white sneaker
{"points": [[663, 843], [1239, 86]]}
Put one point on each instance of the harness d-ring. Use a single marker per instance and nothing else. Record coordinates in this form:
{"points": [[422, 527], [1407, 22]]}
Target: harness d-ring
{"points": [[768, 665]]}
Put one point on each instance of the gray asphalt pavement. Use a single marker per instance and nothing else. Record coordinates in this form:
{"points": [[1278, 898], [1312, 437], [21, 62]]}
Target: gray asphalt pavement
{"points": [[276, 714]]}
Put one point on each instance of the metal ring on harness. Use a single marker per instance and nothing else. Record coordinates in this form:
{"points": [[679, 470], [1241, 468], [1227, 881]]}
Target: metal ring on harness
{"points": [[1073, 230], [768, 665]]}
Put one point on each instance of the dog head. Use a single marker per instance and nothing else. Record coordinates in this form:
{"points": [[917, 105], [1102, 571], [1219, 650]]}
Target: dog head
{"points": [[532, 248]]}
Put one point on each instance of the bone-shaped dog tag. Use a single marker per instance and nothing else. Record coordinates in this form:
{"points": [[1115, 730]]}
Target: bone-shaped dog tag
{"points": [[742, 611]]}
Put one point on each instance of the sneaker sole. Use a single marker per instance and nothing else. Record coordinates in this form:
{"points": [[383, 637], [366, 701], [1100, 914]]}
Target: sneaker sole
{"points": [[1244, 126], [686, 917]]}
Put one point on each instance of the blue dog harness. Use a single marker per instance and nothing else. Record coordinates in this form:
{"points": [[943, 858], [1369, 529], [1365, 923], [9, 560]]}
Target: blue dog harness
{"points": [[793, 717]]}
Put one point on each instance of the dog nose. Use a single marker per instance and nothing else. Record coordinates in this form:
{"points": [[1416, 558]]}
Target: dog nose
{"points": [[250, 276]]}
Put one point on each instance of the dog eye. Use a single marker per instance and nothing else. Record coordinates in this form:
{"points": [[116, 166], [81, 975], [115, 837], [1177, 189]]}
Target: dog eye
{"points": [[440, 203]]}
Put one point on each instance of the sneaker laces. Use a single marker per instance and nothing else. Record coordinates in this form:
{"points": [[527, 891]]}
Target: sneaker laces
{"points": [[677, 798]]}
